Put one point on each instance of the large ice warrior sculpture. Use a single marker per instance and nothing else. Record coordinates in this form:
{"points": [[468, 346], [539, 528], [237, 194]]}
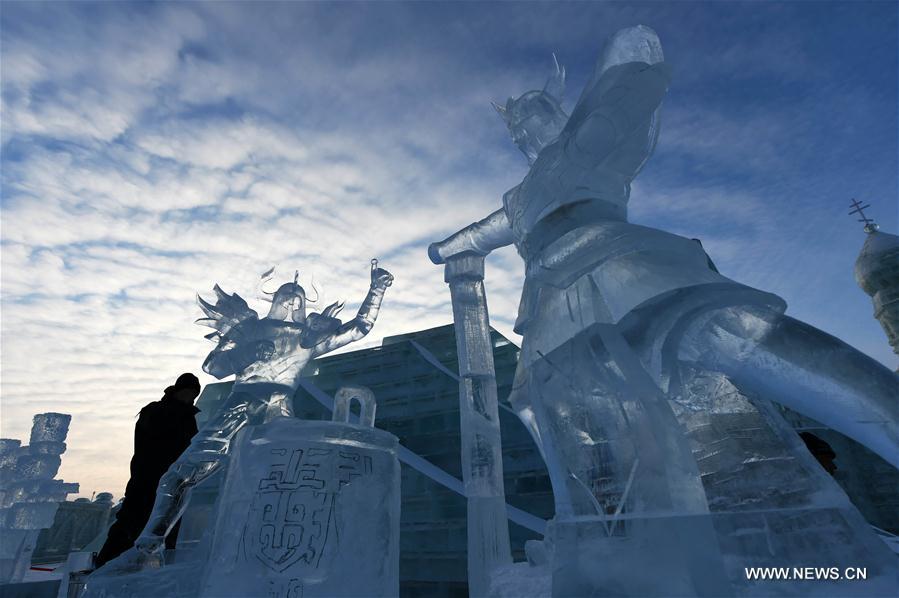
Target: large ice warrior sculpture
{"points": [[645, 375], [266, 355]]}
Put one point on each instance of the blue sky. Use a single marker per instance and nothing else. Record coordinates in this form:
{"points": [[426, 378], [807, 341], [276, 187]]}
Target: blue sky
{"points": [[152, 150]]}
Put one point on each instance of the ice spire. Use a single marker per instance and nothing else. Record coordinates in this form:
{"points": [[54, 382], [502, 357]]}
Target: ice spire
{"points": [[870, 225], [877, 273]]}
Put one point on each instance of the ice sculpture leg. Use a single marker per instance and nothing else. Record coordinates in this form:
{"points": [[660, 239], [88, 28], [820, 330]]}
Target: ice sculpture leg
{"points": [[770, 502], [201, 459], [804, 369], [626, 484], [611, 430]]}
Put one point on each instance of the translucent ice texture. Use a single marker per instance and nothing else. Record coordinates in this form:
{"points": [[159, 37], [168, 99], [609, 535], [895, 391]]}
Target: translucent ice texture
{"points": [[29, 496], [482, 461], [38, 466], [50, 427], [536, 118], [308, 508], [634, 44], [266, 356], [9, 450], [311, 508], [645, 374]]}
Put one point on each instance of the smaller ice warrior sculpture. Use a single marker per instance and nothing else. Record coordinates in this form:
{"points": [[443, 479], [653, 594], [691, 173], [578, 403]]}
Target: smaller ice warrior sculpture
{"points": [[266, 355], [29, 496], [647, 377]]}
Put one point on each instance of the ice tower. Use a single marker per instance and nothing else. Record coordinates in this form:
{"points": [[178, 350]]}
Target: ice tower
{"points": [[877, 273], [29, 494]]}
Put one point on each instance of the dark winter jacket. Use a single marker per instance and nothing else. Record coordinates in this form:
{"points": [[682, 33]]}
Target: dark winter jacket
{"points": [[164, 429]]}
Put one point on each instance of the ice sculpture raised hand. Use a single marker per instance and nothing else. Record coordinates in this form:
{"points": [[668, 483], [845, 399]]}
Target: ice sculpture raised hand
{"points": [[617, 320], [266, 356]]}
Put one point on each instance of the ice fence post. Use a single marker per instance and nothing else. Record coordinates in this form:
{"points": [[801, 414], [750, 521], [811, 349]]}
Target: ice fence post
{"points": [[367, 405]]}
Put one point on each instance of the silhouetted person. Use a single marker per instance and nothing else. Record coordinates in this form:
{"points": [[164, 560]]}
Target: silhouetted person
{"points": [[164, 429]]}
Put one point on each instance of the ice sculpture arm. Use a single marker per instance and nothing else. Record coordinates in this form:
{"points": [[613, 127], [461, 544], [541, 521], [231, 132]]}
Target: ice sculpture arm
{"points": [[365, 318], [481, 238]]}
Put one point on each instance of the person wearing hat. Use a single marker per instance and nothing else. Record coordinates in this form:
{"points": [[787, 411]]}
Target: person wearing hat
{"points": [[164, 429]]}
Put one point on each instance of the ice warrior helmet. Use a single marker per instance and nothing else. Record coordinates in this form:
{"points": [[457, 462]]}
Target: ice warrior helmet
{"points": [[536, 118], [289, 302]]}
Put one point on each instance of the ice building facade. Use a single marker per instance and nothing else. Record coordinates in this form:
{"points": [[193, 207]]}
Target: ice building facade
{"points": [[414, 379], [76, 525], [29, 494]]}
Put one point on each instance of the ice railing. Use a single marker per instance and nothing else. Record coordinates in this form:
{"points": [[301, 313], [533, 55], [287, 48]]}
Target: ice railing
{"points": [[422, 465]]}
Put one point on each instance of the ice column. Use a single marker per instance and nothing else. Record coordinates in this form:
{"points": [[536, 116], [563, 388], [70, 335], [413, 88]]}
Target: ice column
{"points": [[482, 461]]}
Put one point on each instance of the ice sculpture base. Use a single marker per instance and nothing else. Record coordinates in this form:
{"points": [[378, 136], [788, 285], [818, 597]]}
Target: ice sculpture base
{"points": [[521, 580], [173, 580], [647, 557], [662, 557], [308, 508]]}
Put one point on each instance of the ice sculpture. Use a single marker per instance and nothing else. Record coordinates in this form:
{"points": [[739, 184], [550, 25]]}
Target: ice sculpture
{"points": [[877, 273], [482, 459], [29, 496], [633, 344], [266, 355]]}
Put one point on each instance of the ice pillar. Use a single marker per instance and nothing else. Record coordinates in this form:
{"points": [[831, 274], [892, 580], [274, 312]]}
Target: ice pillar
{"points": [[482, 460]]}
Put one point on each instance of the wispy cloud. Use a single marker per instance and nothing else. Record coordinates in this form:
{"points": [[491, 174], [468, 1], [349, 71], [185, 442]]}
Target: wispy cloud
{"points": [[153, 150]]}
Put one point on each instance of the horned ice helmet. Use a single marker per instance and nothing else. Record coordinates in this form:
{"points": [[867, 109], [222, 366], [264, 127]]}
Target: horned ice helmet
{"points": [[289, 301], [536, 118]]}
